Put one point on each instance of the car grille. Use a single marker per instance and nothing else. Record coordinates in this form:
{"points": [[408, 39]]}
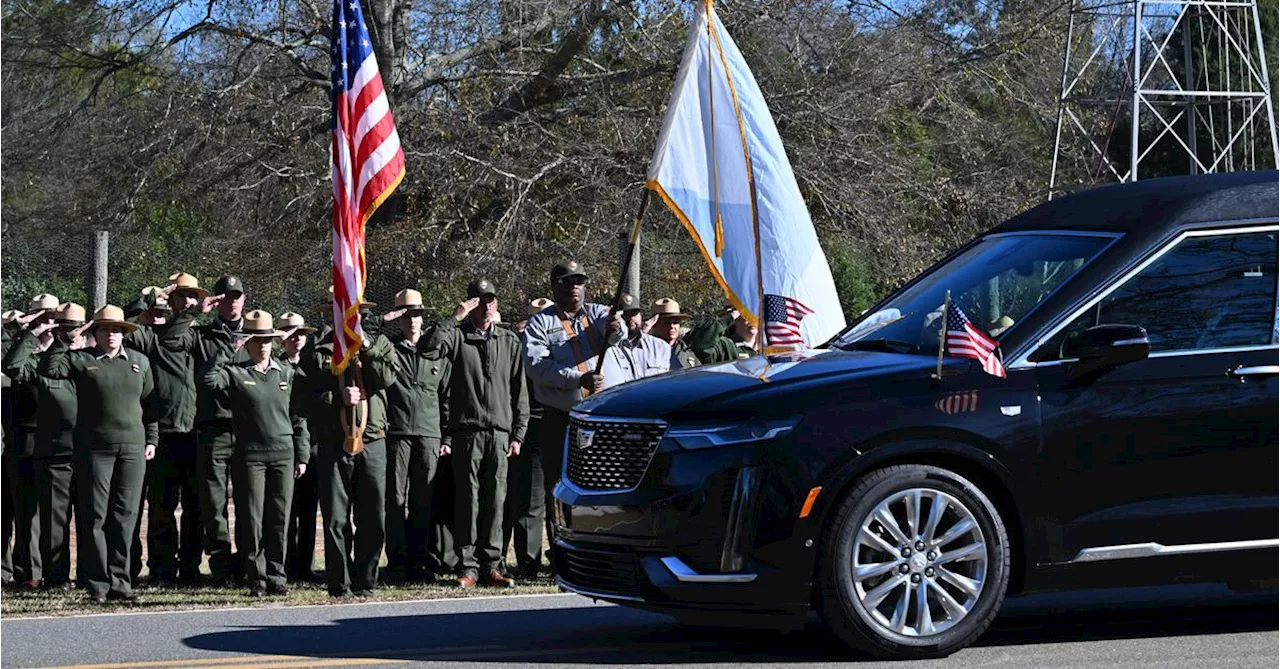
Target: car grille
{"points": [[602, 571], [610, 455]]}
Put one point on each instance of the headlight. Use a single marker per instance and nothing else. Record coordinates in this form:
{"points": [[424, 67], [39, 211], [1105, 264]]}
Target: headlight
{"points": [[726, 434]]}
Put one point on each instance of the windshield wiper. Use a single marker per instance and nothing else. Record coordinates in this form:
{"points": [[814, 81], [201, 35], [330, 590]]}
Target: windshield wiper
{"points": [[890, 345]]}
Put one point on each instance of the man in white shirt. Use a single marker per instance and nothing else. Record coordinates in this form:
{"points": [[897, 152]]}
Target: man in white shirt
{"points": [[638, 354]]}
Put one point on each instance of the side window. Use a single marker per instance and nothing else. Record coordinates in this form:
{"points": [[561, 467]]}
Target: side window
{"points": [[1205, 293]]}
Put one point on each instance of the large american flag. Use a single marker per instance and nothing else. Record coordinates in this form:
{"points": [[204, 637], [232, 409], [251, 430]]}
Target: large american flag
{"points": [[965, 340], [782, 317], [368, 164]]}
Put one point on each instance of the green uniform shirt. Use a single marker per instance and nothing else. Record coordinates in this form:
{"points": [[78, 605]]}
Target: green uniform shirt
{"points": [[487, 387], [169, 348], [56, 415], [711, 345], [114, 395], [683, 356], [413, 401], [210, 341], [266, 421], [379, 370]]}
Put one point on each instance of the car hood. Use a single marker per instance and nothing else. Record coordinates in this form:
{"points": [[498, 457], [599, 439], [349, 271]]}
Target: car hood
{"points": [[754, 386]]}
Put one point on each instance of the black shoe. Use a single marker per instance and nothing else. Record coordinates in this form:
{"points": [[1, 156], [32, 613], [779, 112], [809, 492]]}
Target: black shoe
{"points": [[122, 597], [258, 590], [59, 586], [98, 597], [221, 580], [163, 581], [276, 590], [340, 594], [364, 594]]}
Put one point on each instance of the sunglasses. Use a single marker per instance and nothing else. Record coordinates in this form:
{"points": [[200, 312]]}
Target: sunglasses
{"points": [[574, 281]]}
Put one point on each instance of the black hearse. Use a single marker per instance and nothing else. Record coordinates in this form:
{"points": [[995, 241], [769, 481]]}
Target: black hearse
{"points": [[1134, 440]]}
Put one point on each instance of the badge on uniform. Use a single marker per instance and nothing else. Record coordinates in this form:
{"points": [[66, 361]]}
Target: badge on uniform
{"points": [[136, 369]]}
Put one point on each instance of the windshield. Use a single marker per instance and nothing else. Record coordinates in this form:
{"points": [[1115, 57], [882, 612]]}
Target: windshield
{"points": [[996, 282]]}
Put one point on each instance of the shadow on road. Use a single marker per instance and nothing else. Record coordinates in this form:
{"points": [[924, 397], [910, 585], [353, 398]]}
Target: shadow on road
{"points": [[614, 635]]}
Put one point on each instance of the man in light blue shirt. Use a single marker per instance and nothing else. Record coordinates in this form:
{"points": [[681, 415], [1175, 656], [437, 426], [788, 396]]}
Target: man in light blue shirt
{"points": [[637, 355]]}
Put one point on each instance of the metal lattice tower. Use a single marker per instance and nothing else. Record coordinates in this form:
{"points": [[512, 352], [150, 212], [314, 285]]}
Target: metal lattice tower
{"points": [[1161, 88]]}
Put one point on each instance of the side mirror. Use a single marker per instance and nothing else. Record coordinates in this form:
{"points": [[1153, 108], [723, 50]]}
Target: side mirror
{"points": [[1102, 348]]}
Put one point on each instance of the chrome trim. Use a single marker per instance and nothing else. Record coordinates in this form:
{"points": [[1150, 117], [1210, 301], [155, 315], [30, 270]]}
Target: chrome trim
{"points": [[1056, 233], [615, 419], [1021, 362], [596, 595], [1130, 342], [1256, 370], [1163, 354], [1152, 549], [685, 574]]}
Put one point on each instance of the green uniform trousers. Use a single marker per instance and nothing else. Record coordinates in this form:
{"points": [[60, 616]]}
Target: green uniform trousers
{"points": [[109, 485], [443, 557], [7, 462], [173, 543], [213, 462], [26, 508], [263, 491], [55, 482], [480, 477], [524, 515], [552, 431], [411, 476], [301, 551], [353, 486]]}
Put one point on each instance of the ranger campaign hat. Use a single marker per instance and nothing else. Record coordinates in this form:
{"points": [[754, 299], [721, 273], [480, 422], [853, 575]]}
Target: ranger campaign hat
{"points": [[480, 288], [42, 302], [409, 299], [69, 314], [186, 283], [10, 316], [566, 269], [292, 324], [669, 309], [536, 306], [627, 303], [258, 323], [112, 315], [229, 284]]}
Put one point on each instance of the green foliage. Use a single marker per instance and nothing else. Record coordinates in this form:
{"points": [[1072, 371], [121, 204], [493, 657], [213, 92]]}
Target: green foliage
{"points": [[856, 279]]}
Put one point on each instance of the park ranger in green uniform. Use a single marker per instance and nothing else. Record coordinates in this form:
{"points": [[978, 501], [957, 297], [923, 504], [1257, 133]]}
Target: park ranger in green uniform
{"points": [[214, 436], [173, 551], [413, 443], [8, 333], [487, 411], [20, 457], [55, 425], [115, 435], [300, 542], [344, 478], [667, 328], [271, 449]]}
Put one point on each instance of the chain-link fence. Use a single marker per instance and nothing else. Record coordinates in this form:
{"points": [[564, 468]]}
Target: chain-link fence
{"points": [[293, 274]]}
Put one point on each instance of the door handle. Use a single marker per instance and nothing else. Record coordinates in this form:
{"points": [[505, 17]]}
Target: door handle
{"points": [[1255, 370]]}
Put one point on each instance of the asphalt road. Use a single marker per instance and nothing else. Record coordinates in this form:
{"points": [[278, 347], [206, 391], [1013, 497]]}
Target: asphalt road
{"points": [[1195, 626]]}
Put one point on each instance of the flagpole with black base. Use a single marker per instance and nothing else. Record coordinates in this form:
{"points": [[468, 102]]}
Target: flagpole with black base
{"points": [[942, 335], [632, 243]]}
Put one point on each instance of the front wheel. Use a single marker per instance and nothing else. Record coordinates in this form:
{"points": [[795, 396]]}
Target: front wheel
{"points": [[915, 563]]}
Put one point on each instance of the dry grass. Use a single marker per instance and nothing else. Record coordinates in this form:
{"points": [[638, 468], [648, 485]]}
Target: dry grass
{"points": [[23, 604]]}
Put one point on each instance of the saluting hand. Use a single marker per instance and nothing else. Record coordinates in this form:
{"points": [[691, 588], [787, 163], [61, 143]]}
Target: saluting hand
{"points": [[79, 332], [26, 320], [150, 451], [211, 302], [650, 322], [43, 328], [465, 307]]}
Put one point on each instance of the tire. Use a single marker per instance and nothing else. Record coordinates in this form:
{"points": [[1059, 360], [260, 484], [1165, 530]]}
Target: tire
{"points": [[887, 628]]}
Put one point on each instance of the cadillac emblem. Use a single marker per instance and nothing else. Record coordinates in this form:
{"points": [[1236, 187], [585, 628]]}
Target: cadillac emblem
{"points": [[585, 437]]}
